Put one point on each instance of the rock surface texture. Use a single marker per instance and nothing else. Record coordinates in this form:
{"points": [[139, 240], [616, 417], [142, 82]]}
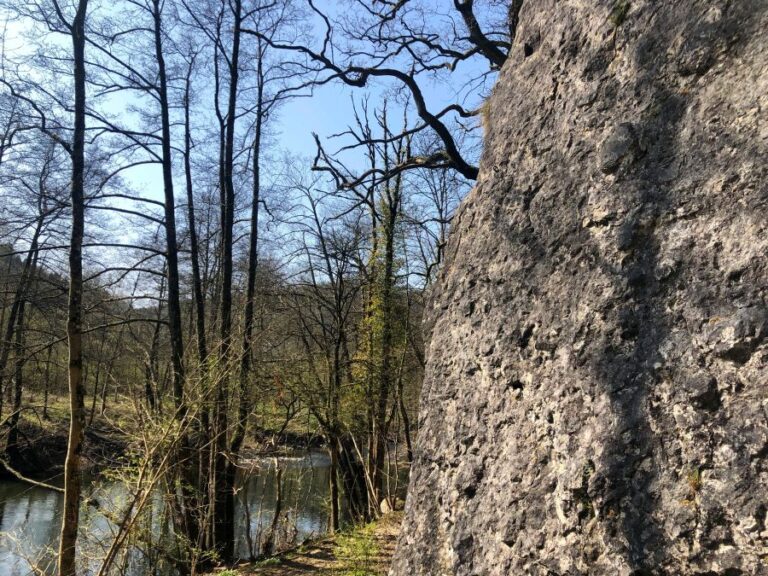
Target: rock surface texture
{"points": [[596, 399]]}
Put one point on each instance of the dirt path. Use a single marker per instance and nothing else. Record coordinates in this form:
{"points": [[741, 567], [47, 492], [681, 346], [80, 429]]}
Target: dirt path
{"points": [[365, 552]]}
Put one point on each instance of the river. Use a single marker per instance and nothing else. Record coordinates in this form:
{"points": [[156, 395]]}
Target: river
{"points": [[30, 517]]}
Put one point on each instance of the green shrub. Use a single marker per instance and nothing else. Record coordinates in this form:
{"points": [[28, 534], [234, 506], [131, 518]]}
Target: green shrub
{"points": [[619, 12]]}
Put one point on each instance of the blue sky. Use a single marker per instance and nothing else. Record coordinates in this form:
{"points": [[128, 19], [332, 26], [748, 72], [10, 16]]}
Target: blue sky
{"points": [[328, 111]]}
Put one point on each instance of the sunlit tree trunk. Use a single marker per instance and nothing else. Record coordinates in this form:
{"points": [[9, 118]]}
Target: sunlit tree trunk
{"points": [[71, 507]]}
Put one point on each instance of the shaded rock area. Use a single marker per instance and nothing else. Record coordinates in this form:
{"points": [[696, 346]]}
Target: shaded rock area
{"points": [[596, 399]]}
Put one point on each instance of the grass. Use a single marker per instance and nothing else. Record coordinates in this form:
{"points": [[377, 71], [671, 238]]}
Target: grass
{"points": [[694, 480], [360, 551], [274, 561], [357, 551], [119, 413]]}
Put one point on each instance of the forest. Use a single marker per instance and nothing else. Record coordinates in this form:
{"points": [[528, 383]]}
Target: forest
{"points": [[219, 221]]}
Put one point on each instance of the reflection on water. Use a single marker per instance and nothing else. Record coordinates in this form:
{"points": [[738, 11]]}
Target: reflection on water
{"points": [[305, 492], [30, 517], [29, 521]]}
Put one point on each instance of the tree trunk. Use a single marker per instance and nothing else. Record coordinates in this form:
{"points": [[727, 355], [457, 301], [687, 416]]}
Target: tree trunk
{"points": [[224, 471], [102, 393], [270, 541], [387, 318], [353, 478], [334, 522], [243, 404], [18, 387], [18, 298], [71, 509], [186, 508], [194, 245], [47, 382], [172, 252], [152, 367], [204, 435], [406, 422]]}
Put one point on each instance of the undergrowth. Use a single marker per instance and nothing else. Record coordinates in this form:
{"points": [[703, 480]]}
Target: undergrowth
{"points": [[357, 551]]}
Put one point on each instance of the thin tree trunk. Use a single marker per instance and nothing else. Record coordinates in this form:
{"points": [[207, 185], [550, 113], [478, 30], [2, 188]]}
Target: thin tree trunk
{"points": [[392, 197], [47, 384], [6, 291], [203, 442], [197, 284], [103, 393], [334, 523], [224, 472], [72, 487], [92, 411], [187, 470], [172, 253], [385, 378], [18, 383], [152, 369], [243, 407], [200, 286], [406, 422], [270, 541], [26, 273]]}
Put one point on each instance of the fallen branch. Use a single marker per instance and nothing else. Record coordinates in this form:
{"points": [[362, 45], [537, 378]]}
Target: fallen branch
{"points": [[23, 478]]}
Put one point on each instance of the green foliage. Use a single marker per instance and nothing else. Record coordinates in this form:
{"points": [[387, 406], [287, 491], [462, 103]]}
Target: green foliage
{"points": [[582, 493], [273, 561], [619, 13], [694, 480], [381, 314], [485, 114], [357, 550]]}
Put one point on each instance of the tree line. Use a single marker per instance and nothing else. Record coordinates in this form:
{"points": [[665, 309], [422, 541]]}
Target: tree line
{"points": [[161, 251]]}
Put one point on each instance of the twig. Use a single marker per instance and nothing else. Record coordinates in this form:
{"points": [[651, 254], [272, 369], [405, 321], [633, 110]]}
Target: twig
{"points": [[23, 478]]}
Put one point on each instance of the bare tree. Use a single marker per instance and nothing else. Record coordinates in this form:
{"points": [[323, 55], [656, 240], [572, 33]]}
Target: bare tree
{"points": [[393, 41], [72, 479]]}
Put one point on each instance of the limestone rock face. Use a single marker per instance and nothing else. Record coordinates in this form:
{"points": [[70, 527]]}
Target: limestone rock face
{"points": [[596, 399]]}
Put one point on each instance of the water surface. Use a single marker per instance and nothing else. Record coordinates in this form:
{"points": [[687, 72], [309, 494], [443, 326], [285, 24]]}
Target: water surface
{"points": [[30, 517]]}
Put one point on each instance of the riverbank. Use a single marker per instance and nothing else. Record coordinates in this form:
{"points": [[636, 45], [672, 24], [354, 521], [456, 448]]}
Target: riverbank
{"points": [[42, 449], [44, 430], [363, 551]]}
